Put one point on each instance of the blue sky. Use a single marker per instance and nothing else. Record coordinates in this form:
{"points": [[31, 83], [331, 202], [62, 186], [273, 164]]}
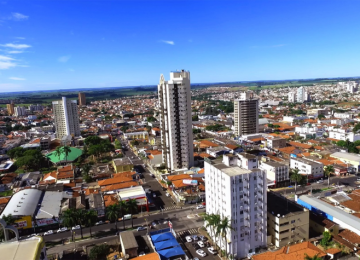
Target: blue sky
{"points": [[51, 44]]}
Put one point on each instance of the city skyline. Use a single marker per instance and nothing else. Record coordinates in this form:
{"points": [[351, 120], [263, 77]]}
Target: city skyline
{"points": [[48, 46]]}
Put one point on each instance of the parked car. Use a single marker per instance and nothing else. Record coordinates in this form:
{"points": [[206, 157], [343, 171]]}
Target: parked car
{"points": [[200, 207], [167, 194], [99, 223], [155, 223], [32, 235], [152, 175], [188, 239], [320, 181], [63, 229], [201, 244], [195, 238], [76, 227], [141, 228], [201, 252], [202, 238], [141, 253], [211, 250], [195, 258], [50, 232]]}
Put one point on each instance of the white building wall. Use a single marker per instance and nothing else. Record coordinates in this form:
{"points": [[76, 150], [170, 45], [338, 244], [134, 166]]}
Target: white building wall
{"points": [[66, 118], [176, 121], [307, 167], [242, 198]]}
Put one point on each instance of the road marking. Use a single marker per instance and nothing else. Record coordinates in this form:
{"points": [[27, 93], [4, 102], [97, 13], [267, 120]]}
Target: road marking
{"points": [[191, 231]]}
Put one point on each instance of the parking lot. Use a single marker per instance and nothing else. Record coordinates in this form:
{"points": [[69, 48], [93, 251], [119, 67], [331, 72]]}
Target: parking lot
{"points": [[193, 246]]}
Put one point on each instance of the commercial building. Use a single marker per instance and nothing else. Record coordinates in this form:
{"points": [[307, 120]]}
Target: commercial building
{"points": [[66, 118], [82, 99], [344, 219], [246, 118], [240, 195], [288, 222], [176, 121], [23, 206], [32, 248], [10, 109], [312, 169], [277, 173], [352, 159]]}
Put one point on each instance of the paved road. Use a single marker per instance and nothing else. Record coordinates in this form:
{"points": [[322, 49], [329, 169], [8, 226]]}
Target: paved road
{"points": [[178, 218]]}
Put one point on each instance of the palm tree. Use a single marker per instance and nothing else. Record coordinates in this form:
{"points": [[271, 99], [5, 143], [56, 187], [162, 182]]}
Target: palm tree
{"points": [[295, 176], [80, 216], [113, 213], [225, 226], [123, 208], [90, 218], [328, 171], [209, 223], [66, 151], [315, 257], [68, 218], [58, 152], [132, 206]]}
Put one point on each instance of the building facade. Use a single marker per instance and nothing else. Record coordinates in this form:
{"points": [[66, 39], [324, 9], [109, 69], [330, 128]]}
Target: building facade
{"points": [[301, 95], [176, 121], [277, 172], [82, 99], [246, 114], [311, 169], [10, 109], [240, 195], [66, 118], [19, 111]]}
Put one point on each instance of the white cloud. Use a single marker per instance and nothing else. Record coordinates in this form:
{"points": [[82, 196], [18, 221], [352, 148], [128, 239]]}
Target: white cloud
{"points": [[168, 42], [16, 46], [16, 78], [5, 58], [4, 65], [15, 52], [64, 58], [19, 17]]}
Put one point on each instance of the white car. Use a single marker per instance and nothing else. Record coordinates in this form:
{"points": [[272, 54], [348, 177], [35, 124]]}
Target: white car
{"points": [[32, 235], [141, 253], [76, 227], [320, 181], [195, 237], [167, 194], [188, 239], [211, 250], [200, 207], [50, 232], [63, 229], [201, 244], [141, 228], [99, 223], [201, 252]]}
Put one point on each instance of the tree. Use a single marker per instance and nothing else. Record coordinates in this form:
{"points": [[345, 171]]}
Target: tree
{"points": [[68, 218], [135, 142], [225, 226], [315, 257], [92, 140], [356, 128], [124, 128], [195, 118], [85, 170], [99, 252], [295, 177], [113, 213], [118, 144], [16, 152], [25, 161], [66, 151], [196, 131], [321, 116], [328, 171], [132, 206], [151, 119], [325, 241], [58, 152], [123, 208], [10, 220], [91, 217], [80, 218]]}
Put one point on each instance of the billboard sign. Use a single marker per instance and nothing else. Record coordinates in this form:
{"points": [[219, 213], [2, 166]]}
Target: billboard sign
{"points": [[44, 222]]}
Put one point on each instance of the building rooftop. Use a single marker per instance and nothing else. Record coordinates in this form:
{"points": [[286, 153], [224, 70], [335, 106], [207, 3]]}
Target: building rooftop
{"points": [[274, 164], [128, 240], [23, 203], [348, 156], [248, 155], [309, 162], [23, 249], [279, 205], [122, 161], [50, 205], [229, 170]]}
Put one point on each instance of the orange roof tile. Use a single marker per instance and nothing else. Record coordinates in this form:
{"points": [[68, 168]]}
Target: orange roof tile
{"points": [[151, 256], [178, 177], [4, 200], [301, 145], [112, 181], [110, 200], [231, 146], [287, 150], [119, 186], [207, 144], [201, 171]]}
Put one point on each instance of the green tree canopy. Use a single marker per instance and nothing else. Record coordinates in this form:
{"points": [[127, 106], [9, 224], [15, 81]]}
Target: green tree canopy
{"points": [[16, 152], [151, 119], [99, 252]]}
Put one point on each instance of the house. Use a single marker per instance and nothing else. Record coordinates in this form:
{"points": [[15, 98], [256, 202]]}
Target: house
{"points": [[154, 157], [129, 246], [96, 202], [233, 148], [122, 164]]}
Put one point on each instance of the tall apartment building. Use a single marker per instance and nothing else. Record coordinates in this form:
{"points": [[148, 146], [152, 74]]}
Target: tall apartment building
{"points": [[246, 114], [36, 107], [10, 108], [20, 111], [66, 118], [175, 121], [302, 95], [82, 99], [240, 195]]}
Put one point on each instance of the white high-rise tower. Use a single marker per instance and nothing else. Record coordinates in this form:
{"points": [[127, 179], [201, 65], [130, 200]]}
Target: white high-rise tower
{"points": [[176, 121], [66, 118]]}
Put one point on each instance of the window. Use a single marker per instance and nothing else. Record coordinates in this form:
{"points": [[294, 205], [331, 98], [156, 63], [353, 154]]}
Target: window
{"points": [[292, 221], [241, 212]]}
